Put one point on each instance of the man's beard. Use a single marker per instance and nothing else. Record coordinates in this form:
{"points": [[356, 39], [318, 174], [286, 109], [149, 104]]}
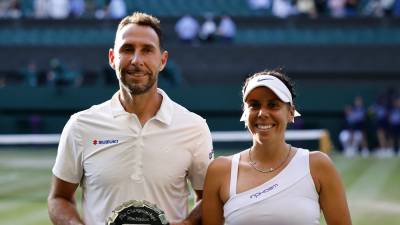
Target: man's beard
{"points": [[137, 89]]}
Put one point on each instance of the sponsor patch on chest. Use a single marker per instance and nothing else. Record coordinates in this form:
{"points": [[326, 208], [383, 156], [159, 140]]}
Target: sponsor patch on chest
{"points": [[105, 142]]}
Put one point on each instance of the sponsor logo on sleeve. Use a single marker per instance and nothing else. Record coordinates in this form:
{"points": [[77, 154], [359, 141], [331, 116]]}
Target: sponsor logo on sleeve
{"points": [[211, 154]]}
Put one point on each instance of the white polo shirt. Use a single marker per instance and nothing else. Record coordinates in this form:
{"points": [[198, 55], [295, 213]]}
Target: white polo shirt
{"points": [[115, 159]]}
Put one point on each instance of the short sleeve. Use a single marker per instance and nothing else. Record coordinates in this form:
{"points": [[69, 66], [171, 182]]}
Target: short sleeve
{"points": [[202, 156], [68, 164]]}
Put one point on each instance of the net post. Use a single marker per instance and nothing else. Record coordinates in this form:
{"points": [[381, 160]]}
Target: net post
{"points": [[325, 144]]}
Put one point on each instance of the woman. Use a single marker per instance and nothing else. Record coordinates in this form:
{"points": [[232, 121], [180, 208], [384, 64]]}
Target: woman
{"points": [[272, 182]]}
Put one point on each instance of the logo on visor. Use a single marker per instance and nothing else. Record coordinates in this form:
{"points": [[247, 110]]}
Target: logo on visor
{"points": [[261, 79]]}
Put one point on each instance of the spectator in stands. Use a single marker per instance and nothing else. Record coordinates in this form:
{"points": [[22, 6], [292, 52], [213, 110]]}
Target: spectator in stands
{"points": [[74, 76], [59, 75], [379, 111], [379, 8], [77, 8], [387, 6], [208, 29], [336, 8], [187, 29], [259, 4], [396, 8], [100, 9], [394, 126], [58, 9], [10, 9], [320, 7], [116, 9], [31, 74], [40, 8], [354, 137], [282, 8], [226, 30], [55, 74], [3, 9], [258, 185], [373, 8], [351, 7], [306, 8], [138, 145]]}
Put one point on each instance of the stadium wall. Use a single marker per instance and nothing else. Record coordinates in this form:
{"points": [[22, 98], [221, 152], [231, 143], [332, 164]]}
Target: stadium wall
{"points": [[46, 110], [328, 74]]}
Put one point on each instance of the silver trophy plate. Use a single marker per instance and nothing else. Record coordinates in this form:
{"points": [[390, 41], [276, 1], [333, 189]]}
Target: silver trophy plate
{"points": [[137, 212]]}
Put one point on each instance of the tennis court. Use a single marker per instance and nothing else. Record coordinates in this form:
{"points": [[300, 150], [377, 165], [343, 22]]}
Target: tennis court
{"points": [[372, 186]]}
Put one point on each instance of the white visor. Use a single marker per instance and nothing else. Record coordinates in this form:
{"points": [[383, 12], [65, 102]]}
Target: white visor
{"points": [[273, 83]]}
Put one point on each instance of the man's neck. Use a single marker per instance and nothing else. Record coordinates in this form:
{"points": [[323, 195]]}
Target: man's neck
{"points": [[145, 106]]}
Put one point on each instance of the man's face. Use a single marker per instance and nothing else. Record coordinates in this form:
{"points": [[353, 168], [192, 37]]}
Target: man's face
{"points": [[137, 58]]}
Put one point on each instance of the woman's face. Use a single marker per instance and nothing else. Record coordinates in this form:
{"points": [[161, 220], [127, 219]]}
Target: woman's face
{"points": [[267, 115]]}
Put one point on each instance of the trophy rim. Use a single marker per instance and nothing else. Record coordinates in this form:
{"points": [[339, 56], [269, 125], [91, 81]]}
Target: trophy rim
{"points": [[137, 203]]}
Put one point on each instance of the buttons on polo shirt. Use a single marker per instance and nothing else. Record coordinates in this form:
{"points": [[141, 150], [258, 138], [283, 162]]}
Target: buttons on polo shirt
{"points": [[137, 175], [141, 144], [137, 166], [136, 178]]}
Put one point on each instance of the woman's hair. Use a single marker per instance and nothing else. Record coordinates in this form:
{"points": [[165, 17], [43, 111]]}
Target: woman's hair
{"points": [[276, 73]]}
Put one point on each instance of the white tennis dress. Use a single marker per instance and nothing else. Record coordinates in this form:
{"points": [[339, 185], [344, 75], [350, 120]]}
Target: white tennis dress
{"points": [[289, 198]]}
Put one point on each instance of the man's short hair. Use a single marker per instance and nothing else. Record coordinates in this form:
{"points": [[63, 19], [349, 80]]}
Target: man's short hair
{"points": [[143, 19]]}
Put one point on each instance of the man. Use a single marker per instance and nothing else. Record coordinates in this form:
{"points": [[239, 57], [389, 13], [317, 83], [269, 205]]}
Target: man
{"points": [[140, 145]]}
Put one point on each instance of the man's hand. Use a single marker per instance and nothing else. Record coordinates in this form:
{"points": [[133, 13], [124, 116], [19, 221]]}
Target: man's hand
{"points": [[194, 217]]}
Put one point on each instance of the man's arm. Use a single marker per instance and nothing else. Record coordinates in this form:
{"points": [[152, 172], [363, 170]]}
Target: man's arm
{"points": [[61, 203], [194, 217]]}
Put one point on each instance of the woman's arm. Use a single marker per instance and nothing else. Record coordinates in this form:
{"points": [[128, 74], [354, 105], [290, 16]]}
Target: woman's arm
{"points": [[212, 205], [332, 196]]}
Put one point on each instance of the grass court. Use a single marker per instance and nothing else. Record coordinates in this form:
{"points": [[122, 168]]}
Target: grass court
{"points": [[372, 186]]}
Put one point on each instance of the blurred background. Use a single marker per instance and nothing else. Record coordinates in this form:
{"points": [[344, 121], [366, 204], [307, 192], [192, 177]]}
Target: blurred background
{"points": [[343, 55]]}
